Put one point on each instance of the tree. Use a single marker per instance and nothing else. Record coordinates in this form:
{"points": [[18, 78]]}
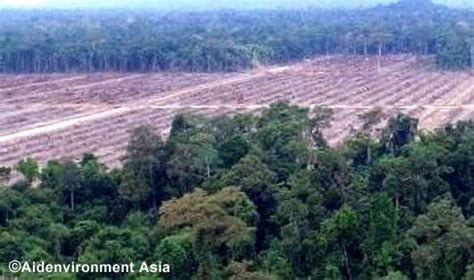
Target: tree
{"points": [[381, 39], [233, 150], [444, 242], [243, 271], [28, 168], [64, 42], [58, 233], [144, 165], [400, 130], [414, 179], [193, 155], [363, 30], [177, 251], [10, 200], [70, 182], [257, 181], [406, 215], [292, 216], [134, 189], [321, 120], [80, 233], [452, 50], [370, 119], [339, 229], [221, 221], [5, 173], [382, 233], [469, 272], [207, 157], [395, 275], [112, 245], [281, 135]]}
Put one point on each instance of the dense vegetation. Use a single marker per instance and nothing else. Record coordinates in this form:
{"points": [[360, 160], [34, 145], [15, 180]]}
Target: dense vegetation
{"points": [[257, 197], [68, 41]]}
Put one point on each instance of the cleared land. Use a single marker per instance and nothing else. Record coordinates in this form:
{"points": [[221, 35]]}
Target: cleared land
{"points": [[57, 116]]}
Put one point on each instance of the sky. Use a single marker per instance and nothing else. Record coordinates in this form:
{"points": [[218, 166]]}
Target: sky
{"points": [[202, 4]]}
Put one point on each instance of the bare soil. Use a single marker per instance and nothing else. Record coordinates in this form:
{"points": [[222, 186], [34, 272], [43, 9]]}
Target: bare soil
{"points": [[64, 116]]}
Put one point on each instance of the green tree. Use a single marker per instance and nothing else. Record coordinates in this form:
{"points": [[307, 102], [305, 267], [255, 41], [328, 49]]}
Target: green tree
{"points": [[382, 234], [224, 220], [28, 168], [399, 131], [444, 241], [71, 183], [144, 163], [177, 251], [370, 119], [281, 135], [339, 230]]}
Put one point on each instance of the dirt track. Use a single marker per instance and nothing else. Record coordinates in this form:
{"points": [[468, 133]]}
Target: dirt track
{"points": [[59, 115], [111, 111]]}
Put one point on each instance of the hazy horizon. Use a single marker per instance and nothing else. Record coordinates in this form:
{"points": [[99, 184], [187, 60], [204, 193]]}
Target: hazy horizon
{"points": [[206, 4]]}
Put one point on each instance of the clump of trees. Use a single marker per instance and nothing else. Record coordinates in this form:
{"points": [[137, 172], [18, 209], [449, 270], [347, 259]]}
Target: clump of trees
{"points": [[81, 41], [257, 197]]}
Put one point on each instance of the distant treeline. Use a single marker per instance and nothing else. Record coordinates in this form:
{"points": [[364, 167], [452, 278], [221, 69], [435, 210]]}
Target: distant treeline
{"points": [[143, 41]]}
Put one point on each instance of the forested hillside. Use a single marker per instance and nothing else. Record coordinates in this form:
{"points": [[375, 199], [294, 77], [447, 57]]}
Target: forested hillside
{"points": [[257, 197], [123, 40]]}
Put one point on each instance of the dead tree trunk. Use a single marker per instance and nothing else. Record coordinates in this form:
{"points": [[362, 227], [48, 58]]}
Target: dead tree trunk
{"points": [[365, 47], [327, 48], [472, 57], [379, 63]]}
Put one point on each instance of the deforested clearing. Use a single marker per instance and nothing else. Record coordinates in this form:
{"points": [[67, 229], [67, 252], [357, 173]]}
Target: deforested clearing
{"points": [[67, 115]]}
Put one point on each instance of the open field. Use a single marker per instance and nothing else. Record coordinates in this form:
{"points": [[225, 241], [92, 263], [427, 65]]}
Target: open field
{"points": [[65, 115]]}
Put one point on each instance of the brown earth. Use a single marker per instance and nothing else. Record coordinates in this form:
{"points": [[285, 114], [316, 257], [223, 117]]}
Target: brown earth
{"points": [[62, 115]]}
